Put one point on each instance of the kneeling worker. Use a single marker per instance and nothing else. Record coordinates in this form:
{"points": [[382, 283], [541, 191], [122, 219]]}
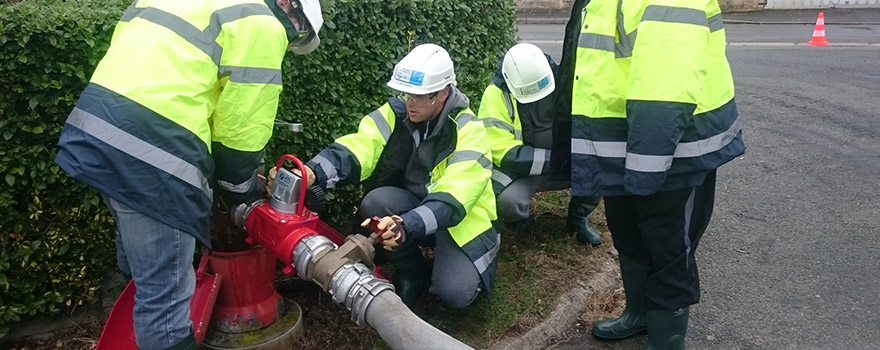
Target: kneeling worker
{"points": [[517, 110], [424, 158]]}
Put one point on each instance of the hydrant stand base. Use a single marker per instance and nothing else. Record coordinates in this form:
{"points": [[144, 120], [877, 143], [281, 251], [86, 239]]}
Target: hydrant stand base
{"points": [[282, 334]]}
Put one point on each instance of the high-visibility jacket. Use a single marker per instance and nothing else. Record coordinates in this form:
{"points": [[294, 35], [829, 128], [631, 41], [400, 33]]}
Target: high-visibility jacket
{"points": [[458, 192], [652, 101], [516, 148], [186, 94]]}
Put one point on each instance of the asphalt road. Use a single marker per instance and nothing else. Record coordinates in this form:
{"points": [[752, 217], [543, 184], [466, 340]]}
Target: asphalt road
{"points": [[792, 256]]}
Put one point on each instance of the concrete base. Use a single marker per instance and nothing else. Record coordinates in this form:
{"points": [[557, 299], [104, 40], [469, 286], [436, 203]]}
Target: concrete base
{"points": [[281, 334]]}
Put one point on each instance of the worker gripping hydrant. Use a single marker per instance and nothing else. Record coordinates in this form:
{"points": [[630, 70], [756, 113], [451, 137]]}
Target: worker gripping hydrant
{"points": [[425, 159], [186, 95]]}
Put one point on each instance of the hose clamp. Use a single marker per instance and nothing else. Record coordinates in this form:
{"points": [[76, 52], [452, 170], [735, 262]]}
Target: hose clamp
{"points": [[308, 248], [242, 211], [344, 279], [362, 294]]}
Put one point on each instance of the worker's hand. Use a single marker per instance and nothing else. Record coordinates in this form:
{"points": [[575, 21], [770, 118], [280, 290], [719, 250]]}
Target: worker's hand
{"points": [[310, 175], [390, 230], [273, 172]]}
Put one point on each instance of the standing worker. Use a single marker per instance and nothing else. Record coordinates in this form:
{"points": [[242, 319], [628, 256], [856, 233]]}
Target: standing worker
{"points": [[653, 116], [517, 110], [186, 95], [424, 158]]}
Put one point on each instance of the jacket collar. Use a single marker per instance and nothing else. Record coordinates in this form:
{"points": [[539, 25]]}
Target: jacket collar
{"points": [[281, 16], [454, 103]]}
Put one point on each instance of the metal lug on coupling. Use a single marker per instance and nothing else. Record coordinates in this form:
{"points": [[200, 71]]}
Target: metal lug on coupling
{"points": [[306, 250], [354, 287]]}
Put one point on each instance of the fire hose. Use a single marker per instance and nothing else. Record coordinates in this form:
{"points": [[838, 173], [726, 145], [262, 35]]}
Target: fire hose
{"points": [[289, 230]]}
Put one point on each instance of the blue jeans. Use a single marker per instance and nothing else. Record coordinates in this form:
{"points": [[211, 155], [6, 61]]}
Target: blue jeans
{"points": [[159, 259]]}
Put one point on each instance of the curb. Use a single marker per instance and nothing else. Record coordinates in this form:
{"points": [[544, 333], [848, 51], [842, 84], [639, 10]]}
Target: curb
{"points": [[569, 308], [541, 20]]}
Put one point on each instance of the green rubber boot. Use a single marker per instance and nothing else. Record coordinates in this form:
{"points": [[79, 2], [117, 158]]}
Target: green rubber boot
{"points": [[412, 276], [633, 320], [579, 209], [667, 329]]}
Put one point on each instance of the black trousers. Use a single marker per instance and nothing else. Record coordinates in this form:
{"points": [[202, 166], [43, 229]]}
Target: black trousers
{"points": [[663, 230]]}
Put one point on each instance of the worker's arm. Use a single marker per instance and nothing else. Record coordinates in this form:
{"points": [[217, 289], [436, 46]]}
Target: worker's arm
{"points": [[241, 125], [463, 181], [353, 157], [509, 153]]}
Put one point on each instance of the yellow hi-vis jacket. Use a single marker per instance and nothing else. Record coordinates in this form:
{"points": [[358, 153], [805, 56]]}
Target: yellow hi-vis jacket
{"points": [[186, 94], [511, 156], [652, 101], [459, 195]]}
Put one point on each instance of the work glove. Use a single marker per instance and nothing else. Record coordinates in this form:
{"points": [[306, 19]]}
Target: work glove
{"points": [[273, 172], [390, 229]]}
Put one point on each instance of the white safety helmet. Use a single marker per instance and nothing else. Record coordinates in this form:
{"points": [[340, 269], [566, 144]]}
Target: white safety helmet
{"points": [[307, 18], [426, 69], [527, 73]]}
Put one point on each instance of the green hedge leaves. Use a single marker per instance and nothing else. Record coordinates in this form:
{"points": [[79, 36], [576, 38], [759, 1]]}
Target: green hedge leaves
{"points": [[56, 235]]}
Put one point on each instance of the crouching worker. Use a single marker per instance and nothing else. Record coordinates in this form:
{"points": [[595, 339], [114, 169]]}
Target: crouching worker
{"points": [[424, 158], [517, 110]]}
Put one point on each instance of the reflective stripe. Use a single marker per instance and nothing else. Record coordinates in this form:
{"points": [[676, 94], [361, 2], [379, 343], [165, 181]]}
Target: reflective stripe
{"points": [[484, 261], [139, 149], [382, 124], [716, 23], [501, 178], [462, 156], [204, 40], [237, 12], [538, 161], [239, 188], [596, 41], [669, 14], [607, 149], [201, 40], [463, 119], [251, 75], [688, 212], [428, 218], [655, 163], [627, 42], [509, 104], [495, 123], [329, 170], [606, 43], [517, 134], [648, 163], [707, 145], [657, 13]]}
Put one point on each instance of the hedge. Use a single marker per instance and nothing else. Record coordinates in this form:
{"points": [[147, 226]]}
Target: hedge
{"points": [[56, 235]]}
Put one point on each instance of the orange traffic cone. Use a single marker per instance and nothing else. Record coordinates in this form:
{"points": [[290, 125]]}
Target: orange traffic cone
{"points": [[819, 32]]}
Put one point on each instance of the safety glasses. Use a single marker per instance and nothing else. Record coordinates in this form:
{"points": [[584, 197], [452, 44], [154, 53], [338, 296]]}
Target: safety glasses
{"points": [[300, 23], [419, 100]]}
